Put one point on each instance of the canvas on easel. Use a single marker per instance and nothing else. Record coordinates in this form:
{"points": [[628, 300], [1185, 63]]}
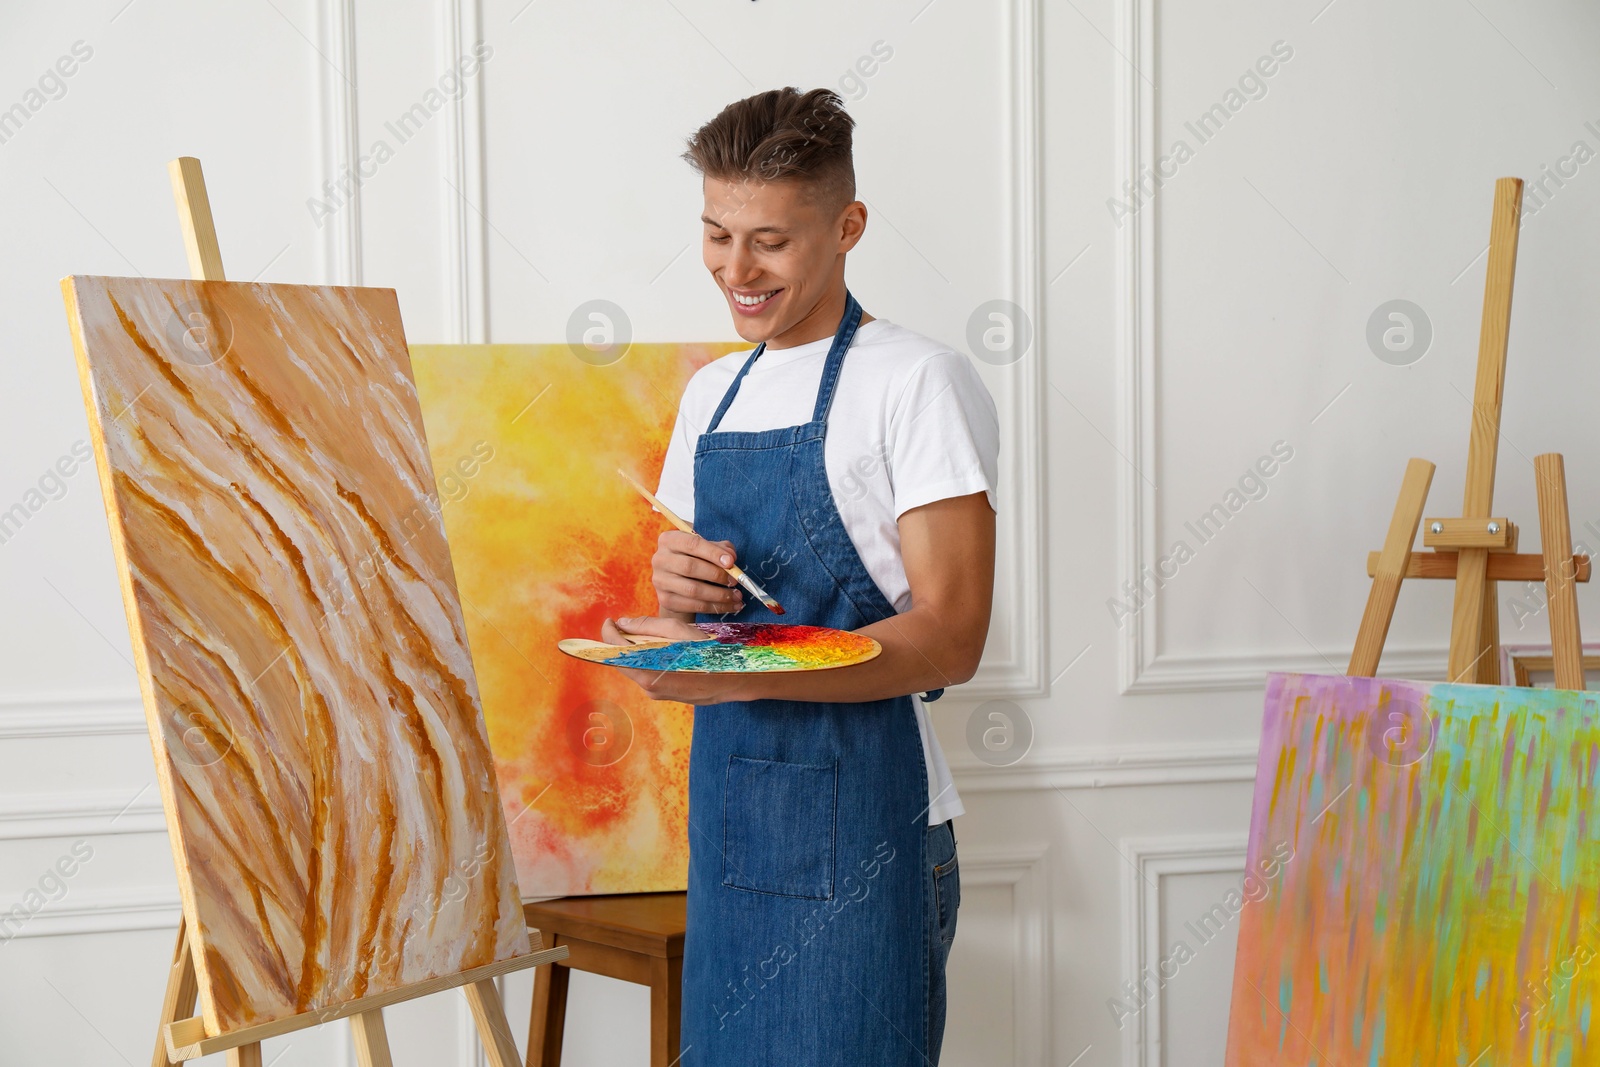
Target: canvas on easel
{"points": [[301, 649], [318, 737], [1434, 886]]}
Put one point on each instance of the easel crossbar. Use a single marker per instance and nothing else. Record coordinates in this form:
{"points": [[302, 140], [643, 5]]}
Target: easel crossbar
{"points": [[186, 1038]]}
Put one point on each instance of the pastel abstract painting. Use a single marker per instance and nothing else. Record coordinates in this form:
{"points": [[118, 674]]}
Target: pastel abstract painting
{"points": [[320, 747], [549, 540], [1433, 894]]}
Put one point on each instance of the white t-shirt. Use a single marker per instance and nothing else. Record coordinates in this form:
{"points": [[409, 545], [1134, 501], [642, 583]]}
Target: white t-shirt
{"points": [[911, 423]]}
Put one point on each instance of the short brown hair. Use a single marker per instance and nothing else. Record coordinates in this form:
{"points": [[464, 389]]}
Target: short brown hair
{"points": [[781, 134]]}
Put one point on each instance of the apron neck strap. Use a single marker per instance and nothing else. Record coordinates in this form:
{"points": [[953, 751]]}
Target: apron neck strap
{"points": [[841, 344], [727, 398]]}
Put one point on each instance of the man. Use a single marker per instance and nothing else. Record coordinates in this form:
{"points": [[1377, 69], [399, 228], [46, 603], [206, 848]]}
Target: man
{"points": [[823, 882]]}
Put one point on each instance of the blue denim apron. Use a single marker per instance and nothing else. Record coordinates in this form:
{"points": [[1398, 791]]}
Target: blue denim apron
{"points": [[808, 906]]}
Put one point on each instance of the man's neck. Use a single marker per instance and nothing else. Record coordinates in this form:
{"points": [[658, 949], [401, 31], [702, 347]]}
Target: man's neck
{"points": [[821, 323]]}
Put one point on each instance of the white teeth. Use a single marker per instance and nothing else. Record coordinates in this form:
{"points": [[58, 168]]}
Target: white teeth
{"points": [[752, 301]]}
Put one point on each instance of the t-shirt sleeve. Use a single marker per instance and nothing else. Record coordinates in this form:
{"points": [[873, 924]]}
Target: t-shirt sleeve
{"points": [[943, 435], [676, 488]]}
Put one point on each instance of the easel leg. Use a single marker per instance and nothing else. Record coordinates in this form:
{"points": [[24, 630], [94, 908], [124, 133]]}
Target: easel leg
{"points": [[372, 1040], [1474, 639], [1489, 634], [547, 1020], [493, 1029], [245, 1055], [182, 989], [1466, 621], [1391, 571], [666, 1010], [1555, 535]]}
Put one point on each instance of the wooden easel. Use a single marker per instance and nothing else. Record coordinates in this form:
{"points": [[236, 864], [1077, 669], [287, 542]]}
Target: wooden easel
{"points": [[1477, 549], [182, 1036]]}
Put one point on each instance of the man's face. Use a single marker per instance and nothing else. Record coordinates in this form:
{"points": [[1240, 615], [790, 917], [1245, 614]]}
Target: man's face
{"points": [[774, 253]]}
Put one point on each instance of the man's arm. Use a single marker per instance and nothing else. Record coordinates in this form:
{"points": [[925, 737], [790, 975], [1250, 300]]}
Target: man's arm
{"points": [[948, 551], [947, 548]]}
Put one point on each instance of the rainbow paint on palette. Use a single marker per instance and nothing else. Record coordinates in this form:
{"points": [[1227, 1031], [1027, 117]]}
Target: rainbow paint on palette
{"points": [[1441, 895], [743, 648]]}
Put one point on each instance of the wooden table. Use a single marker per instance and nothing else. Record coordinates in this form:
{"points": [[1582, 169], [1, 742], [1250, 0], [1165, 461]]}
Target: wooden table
{"points": [[637, 938]]}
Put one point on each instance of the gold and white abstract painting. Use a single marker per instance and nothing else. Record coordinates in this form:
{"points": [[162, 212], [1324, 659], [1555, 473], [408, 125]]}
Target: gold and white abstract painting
{"points": [[299, 641]]}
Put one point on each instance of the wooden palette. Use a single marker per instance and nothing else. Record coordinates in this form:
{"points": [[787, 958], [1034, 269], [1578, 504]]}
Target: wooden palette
{"points": [[735, 648]]}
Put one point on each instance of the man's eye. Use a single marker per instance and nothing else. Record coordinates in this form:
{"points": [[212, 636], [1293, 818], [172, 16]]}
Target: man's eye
{"points": [[774, 248], [719, 240]]}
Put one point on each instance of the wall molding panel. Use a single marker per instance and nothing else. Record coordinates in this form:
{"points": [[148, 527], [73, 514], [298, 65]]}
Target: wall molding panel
{"points": [[1111, 765], [340, 145], [469, 1049], [92, 812], [1151, 860], [69, 714], [462, 182], [106, 912], [1021, 562], [89, 813], [1135, 328], [1247, 671], [1024, 868], [1142, 666]]}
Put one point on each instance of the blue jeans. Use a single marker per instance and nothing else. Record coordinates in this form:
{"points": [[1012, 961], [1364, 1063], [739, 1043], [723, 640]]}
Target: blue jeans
{"points": [[944, 900]]}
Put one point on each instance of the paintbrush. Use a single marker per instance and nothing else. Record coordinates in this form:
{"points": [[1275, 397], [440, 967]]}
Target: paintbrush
{"points": [[734, 570]]}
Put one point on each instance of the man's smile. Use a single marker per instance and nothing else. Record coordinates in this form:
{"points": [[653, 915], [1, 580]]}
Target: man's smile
{"points": [[752, 301]]}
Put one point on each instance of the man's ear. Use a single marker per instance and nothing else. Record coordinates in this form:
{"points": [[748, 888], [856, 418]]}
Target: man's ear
{"points": [[852, 224]]}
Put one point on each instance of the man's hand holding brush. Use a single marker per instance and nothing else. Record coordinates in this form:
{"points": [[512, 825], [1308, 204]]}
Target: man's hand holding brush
{"points": [[689, 576]]}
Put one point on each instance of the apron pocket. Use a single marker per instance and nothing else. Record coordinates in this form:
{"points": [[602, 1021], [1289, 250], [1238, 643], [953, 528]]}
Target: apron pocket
{"points": [[778, 827]]}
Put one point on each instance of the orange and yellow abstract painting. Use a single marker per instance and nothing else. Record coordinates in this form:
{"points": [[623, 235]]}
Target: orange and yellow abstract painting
{"points": [[1435, 892], [548, 541]]}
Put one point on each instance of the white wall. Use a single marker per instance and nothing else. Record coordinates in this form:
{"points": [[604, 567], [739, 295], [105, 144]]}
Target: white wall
{"points": [[1174, 345]]}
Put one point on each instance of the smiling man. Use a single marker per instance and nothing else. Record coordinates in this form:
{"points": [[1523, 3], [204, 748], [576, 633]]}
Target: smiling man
{"points": [[849, 464]]}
